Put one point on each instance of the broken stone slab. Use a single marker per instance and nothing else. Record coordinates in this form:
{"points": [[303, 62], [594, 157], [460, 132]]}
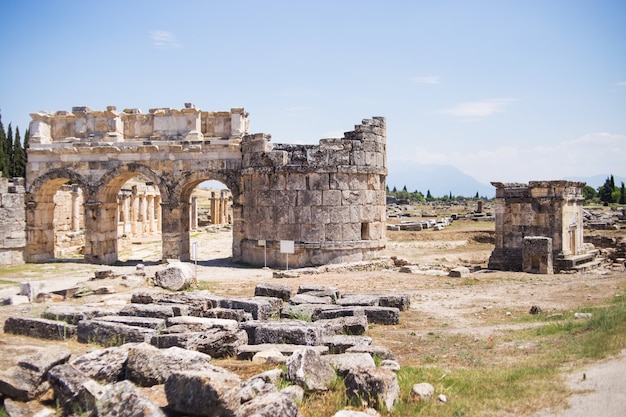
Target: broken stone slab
{"points": [[271, 289], [147, 322], [358, 300], [411, 269], [338, 311], [342, 363], [390, 365], [285, 274], [319, 289], [375, 351], [148, 365], [14, 300], [27, 409], [74, 390], [27, 380], [400, 301], [459, 272], [158, 311], [306, 368], [199, 324], [350, 325], [227, 313], [306, 312], [377, 387], [176, 276], [203, 393], [269, 405], [261, 308], [103, 365], [39, 328], [295, 392], [247, 352], [295, 332], [32, 289], [273, 356], [103, 274], [340, 343], [74, 314], [309, 299], [197, 301], [215, 342], [382, 315], [123, 399], [255, 387], [108, 333]]}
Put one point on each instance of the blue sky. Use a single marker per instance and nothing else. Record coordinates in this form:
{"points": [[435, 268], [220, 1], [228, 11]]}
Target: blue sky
{"points": [[502, 90]]}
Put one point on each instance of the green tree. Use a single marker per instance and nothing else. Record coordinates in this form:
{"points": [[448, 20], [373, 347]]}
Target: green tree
{"points": [[476, 196], [589, 193], [18, 164], [429, 196], [26, 143], [394, 190], [8, 149], [4, 168], [605, 192], [622, 194]]}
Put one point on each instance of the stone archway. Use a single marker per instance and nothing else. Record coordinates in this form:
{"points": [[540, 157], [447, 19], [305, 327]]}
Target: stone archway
{"points": [[40, 207]]}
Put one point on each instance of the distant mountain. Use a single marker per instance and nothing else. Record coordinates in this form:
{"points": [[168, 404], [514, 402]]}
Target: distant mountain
{"points": [[596, 181], [441, 180]]}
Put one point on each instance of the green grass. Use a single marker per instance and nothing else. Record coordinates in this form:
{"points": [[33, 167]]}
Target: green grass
{"points": [[6, 282]]}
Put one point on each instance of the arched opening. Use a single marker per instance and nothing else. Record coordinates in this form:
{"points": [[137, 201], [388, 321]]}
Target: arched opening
{"points": [[209, 221]]}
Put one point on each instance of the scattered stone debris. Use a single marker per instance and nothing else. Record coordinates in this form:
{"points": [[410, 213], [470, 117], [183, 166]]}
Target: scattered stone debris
{"points": [[535, 310]]}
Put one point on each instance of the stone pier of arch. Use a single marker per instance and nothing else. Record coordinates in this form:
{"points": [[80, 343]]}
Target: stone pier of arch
{"points": [[329, 199]]}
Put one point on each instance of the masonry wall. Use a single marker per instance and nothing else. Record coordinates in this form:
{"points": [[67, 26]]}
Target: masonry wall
{"points": [[329, 199], [12, 222]]}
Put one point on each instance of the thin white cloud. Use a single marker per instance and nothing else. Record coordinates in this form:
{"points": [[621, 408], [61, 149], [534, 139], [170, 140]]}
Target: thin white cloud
{"points": [[588, 155], [621, 84], [430, 79], [162, 39], [477, 110]]}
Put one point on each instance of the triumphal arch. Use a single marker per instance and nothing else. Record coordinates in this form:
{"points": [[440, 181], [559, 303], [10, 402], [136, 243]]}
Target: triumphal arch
{"points": [[327, 199]]}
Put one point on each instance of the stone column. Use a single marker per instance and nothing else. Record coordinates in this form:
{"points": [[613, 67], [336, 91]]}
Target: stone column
{"points": [[150, 215], [133, 211], [101, 232], [175, 230], [194, 213], [157, 212], [76, 193], [214, 209], [143, 210]]}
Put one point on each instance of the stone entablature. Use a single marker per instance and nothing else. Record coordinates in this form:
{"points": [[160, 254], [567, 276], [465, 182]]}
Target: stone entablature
{"points": [[161, 124], [551, 209], [328, 198]]}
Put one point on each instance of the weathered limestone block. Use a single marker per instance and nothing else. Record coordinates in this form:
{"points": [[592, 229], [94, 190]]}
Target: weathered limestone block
{"points": [[310, 299], [306, 368], [147, 322], [340, 343], [382, 315], [379, 351], [255, 387], [319, 289], [160, 311], [424, 391], [227, 314], [105, 366], [338, 311], [203, 393], [273, 356], [375, 386], [269, 405], [111, 334], [351, 325], [343, 363], [294, 332], [74, 390], [40, 328], [358, 300], [176, 276], [304, 312], [261, 308], [270, 289], [200, 324], [247, 352], [399, 301], [123, 399], [32, 289], [148, 365], [28, 409], [74, 314], [215, 342], [459, 272]]}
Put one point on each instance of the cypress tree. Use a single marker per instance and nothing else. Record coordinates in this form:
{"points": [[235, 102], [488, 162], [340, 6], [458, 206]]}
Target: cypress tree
{"points": [[8, 150], [19, 156], [26, 144], [622, 194], [4, 169]]}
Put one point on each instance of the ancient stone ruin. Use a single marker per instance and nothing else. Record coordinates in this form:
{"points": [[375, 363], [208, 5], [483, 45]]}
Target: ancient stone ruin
{"points": [[539, 227], [326, 201]]}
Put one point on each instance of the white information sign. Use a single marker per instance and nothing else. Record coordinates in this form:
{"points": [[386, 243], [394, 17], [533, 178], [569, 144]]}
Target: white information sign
{"points": [[287, 246], [261, 242]]}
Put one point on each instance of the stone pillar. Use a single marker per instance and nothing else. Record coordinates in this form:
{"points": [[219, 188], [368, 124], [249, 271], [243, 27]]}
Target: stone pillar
{"points": [[150, 215], [134, 211], [193, 220], [157, 212], [127, 226], [479, 209], [143, 211], [175, 230], [76, 193], [39, 231], [101, 232], [214, 208]]}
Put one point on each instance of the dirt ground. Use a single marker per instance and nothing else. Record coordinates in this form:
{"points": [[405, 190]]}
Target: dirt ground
{"points": [[452, 322]]}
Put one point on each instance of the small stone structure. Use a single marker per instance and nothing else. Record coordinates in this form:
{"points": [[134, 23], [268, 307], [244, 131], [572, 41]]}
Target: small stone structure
{"points": [[327, 199], [12, 222], [537, 255], [539, 209]]}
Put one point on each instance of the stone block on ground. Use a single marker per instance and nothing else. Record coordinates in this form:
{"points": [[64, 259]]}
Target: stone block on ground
{"points": [[247, 352], [377, 387], [358, 300], [424, 391], [176, 276], [159, 311], [342, 363], [203, 393], [226, 313], [382, 315], [399, 301], [271, 289], [123, 399], [306, 368], [309, 299], [217, 343], [39, 328], [199, 324], [459, 272], [148, 365], [147, 322], [318, 288], [32, 289], [261, 308], [104, 365], [272, 356], [350, 325], [306, 312], [255, 387], [108, 333], [339, 311], [340, 343], [269, 405], [73, 390], [27, 409], [295, 332], [376, 351], [73, 314]]}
